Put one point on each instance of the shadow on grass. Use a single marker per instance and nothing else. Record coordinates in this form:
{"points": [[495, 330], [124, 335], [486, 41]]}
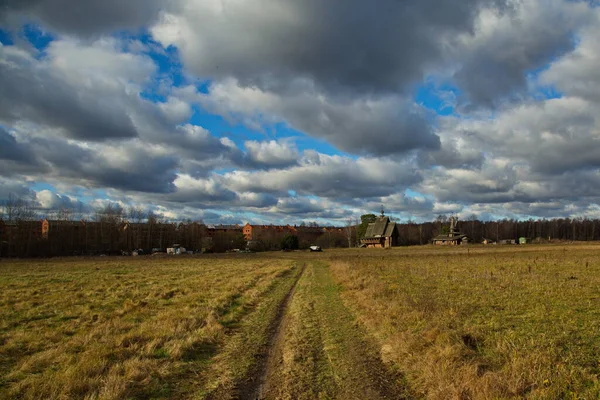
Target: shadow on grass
{"points": [[200, 351]]}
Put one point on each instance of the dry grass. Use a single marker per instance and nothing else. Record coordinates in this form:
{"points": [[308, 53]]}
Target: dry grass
{"points": [[483, 323], [462, 323], [120, 328]]}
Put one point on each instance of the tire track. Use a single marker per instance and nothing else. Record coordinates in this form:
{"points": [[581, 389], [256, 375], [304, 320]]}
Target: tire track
{"points": [[258, 384], [316, 349]]}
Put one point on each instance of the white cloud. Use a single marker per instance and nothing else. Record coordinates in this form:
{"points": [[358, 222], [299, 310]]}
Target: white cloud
{"points": [[272, 153]]}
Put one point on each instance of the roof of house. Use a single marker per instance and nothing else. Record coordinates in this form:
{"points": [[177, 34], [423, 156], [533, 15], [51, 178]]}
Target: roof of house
{"points": [[382, 227], [224, 227], [447, 237]]}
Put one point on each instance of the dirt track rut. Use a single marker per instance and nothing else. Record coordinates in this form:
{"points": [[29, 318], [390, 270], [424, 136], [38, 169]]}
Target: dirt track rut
{"points": [[317, 350]]}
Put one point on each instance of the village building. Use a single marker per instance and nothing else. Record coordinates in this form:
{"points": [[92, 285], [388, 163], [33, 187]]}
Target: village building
{"points": [[310, 234], [381, 234], [214, 230], [263, 232], [19, 238], [453, 237]]}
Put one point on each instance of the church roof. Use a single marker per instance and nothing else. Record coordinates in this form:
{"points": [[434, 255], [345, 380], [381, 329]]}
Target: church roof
{"points": [[382, 227]]}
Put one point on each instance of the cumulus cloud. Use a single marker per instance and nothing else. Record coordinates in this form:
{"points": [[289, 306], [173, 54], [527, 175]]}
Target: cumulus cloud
{"points": [[363, 125], [12, 150], [330, 176], [16, 187], [97, 110], [577, 73], [52, 201], [265, 43], [81, 90], [551, 136], [494, 60], [125, 167], [305, 64], [271, 153]]}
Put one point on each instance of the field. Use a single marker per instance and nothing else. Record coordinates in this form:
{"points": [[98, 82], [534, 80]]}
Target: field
{"points": [[421, 322]]}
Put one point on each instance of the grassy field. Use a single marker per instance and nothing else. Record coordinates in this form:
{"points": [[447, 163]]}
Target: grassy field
{"points": [[134, 327], [482, 323], [435, 323]]}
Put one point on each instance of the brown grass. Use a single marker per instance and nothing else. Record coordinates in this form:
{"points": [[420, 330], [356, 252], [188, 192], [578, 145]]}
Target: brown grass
{"points": [[450, 323], [483, 323], [123, 327]]}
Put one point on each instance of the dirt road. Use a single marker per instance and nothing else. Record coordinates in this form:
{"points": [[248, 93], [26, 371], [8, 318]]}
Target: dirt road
{"points": [[317, 351]]}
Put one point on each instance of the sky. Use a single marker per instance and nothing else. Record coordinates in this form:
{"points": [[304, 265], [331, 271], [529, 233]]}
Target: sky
{"points": [[284, 111]]}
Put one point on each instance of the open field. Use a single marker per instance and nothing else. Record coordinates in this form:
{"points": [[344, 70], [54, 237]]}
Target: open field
{"points": [[133, 327], [482, 323], [422, 322]]}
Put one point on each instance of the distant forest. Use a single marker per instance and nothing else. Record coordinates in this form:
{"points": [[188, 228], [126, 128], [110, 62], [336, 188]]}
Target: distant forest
{"points": [[20, 230], [535, 230]]}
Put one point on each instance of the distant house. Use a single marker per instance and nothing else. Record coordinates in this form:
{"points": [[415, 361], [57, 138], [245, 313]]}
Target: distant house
{"points": [[507, 241], [453, 237], [19, 238], [213, 230], [266, 232], [381, 234]]}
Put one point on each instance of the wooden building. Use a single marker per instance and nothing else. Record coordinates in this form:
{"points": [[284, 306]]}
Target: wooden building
{"points": [[453, 237], [381, 234]]}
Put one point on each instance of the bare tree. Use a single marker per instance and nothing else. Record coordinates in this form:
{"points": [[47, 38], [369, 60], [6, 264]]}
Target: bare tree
{"points": [[135, 214], [64, 214], [350, 231], [19, 209]]}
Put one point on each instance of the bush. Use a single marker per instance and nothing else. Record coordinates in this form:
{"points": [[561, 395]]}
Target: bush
{"points": [[289, 242]]}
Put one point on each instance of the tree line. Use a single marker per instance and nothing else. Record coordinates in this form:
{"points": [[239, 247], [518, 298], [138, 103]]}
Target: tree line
{"points": [[534, 230], [112, 229]]}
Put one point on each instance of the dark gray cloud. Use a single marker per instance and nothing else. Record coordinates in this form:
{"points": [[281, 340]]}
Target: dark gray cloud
{"points": [[128, 167], [11, 150], [299, 206], [17, 158], [399, 204], [577, 73], [335, 71], [550, 137], [19, 188], [143, 172], [81, 107], [343, 73], [457, 151], [495, 60], [330, 177], [90, 17], [340, 46]]}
